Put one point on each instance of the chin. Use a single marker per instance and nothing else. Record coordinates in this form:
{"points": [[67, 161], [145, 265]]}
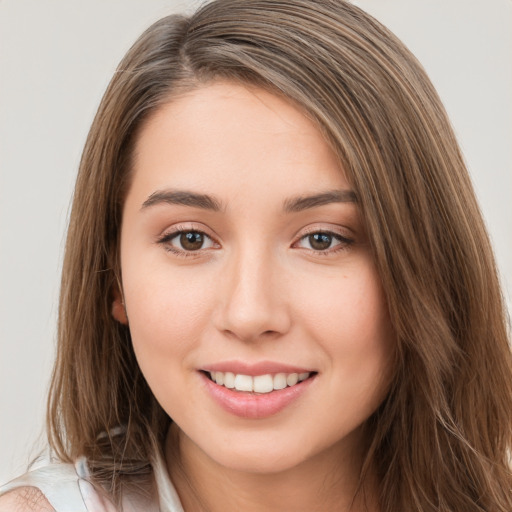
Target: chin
{"points": [[263, 454], [261, 462]]}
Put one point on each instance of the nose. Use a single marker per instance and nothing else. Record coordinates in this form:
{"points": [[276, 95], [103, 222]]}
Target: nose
{"points": [[253, 299]]}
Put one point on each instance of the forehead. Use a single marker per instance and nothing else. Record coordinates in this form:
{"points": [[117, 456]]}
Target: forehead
{"points": [[224, 138]]}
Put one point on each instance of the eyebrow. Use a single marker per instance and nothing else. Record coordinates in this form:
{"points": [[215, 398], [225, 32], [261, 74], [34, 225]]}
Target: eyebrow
{"points": [[206, 202], [183, 197], [298, 204]]}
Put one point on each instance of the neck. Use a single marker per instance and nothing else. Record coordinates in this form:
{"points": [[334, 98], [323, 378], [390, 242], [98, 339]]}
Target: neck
{"points": [[328, 482]]}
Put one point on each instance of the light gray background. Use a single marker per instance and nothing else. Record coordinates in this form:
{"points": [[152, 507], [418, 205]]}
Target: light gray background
{"points": [[56, 57]]}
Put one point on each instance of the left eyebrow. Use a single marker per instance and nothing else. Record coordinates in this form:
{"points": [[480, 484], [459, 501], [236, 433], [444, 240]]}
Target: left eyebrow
{"points": [[298, 204]]}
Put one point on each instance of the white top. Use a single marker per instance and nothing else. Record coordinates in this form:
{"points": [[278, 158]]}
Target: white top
{"points": [[67, 489]]}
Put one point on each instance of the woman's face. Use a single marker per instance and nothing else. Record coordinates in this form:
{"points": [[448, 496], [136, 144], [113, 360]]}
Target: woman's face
{"points": [[244, 259]]}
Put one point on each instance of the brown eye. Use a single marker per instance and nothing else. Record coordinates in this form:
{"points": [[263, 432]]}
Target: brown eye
{"points": [[320, 241], [191, 240], [186, 241], [324, 242]]}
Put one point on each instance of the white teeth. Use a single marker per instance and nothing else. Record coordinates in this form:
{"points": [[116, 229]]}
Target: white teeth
{"points": [[292, 379], [229, 380], [260, 383], [243, 383], [263, 384], [279, 381]]}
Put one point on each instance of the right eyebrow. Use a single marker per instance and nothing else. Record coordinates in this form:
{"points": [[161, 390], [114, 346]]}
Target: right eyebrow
{"points": [[183, 197]]}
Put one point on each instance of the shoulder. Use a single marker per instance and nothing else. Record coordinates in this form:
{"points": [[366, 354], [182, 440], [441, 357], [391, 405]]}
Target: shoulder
{"points": [[67, 488], [25, 499], [55, 487]]}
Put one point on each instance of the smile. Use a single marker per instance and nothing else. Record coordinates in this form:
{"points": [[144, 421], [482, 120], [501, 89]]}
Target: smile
{"points": [[256, 394], [258, 383]]}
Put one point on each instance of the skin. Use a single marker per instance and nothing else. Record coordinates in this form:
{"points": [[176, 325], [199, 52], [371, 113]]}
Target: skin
{"points": [[27, 499], [258, 289]]}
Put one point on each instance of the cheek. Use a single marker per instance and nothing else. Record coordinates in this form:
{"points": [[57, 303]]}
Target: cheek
{"points": [[167, 317], [349, 305], [166, 311], [349, 319]]}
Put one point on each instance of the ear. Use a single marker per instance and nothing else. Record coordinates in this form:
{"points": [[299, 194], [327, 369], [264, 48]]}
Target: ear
{"points": [[118, 309]]}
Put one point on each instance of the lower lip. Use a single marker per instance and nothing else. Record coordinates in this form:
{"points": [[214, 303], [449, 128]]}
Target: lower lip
{"points": [[253, 405]]}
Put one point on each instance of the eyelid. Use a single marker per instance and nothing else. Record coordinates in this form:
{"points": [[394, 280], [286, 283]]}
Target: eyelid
{"points": [[180, 227], [328, 227], [340, 231]]}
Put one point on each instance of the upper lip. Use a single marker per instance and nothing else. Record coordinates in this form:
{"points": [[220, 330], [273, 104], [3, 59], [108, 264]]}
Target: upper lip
{"points": [[253, 369]]}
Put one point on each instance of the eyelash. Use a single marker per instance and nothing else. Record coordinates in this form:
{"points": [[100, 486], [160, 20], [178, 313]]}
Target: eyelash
{"points": [[165, 240], [343, 245]]}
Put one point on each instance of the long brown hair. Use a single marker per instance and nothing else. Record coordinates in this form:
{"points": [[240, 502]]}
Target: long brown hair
{"points": [[441, 440]]}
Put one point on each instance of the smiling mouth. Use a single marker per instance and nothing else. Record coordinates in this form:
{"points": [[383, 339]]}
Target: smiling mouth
{"points": [[260, 384]]}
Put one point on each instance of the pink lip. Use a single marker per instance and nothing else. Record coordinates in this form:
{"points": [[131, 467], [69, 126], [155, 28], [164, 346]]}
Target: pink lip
{"points": [[254, 405], [253, 369]]}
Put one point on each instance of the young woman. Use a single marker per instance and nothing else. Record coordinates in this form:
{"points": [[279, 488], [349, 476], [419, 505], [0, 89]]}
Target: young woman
{"points": [[278, 292]]}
